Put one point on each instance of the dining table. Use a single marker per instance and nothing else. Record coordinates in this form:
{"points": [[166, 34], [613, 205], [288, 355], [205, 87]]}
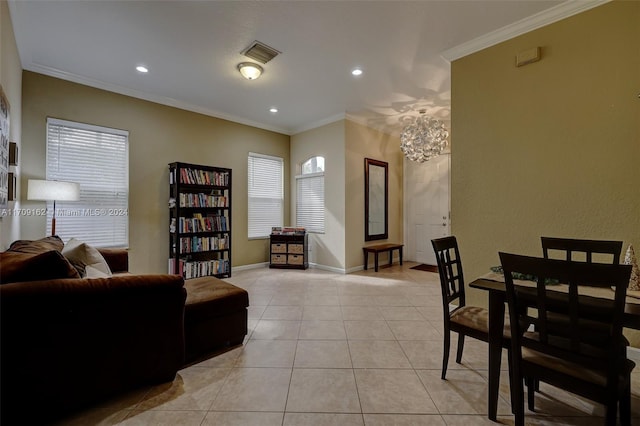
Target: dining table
{"points": [[494, 284]]}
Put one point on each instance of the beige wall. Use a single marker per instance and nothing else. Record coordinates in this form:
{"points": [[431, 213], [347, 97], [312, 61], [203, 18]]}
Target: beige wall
{"points": [[363, 142], [158, 135], [11, 81], [551, 148], [325, 250]]}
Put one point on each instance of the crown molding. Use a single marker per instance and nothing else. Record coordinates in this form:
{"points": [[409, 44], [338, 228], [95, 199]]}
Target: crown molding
{"points": [[541, 19], [163, 100]]}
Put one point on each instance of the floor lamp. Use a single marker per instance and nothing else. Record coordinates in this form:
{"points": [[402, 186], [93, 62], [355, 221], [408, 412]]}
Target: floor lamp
{"points": [[52, 190]]}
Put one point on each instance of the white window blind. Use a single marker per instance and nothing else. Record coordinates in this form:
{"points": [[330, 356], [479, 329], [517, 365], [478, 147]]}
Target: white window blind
{"points": [[310, 202], [266, 194], [98, 159]]}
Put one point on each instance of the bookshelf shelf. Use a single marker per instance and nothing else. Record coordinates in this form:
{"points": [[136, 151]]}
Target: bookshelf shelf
{"points": [[199, 220]]}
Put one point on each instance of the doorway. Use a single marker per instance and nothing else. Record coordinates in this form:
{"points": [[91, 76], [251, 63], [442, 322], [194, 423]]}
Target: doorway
{"points": [[426, 206]]}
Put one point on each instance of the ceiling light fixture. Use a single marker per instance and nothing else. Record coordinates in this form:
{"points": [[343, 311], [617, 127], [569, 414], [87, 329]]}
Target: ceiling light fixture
{"points": [[424, 139], [249, 70], [356, 72], [142, 69], [273, 110]]}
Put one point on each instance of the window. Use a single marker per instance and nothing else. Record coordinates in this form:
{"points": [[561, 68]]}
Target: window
{"points": [[310, 195], [98, 159], [266, 194]]}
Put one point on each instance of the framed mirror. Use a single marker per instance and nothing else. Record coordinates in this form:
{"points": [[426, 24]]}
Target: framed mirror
{"points": [[376, 200]]}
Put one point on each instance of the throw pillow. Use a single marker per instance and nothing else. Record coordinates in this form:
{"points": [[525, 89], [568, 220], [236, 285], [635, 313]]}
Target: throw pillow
{"points": [[81, 255], [37, 246], [630, 259], [17, 267]]}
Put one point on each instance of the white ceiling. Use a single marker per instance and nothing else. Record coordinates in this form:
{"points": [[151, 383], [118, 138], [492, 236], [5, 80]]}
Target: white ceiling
{"points": [[192, 49]]}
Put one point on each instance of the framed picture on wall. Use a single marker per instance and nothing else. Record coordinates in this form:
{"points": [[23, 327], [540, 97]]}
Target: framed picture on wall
{"points": [[4, 150]]}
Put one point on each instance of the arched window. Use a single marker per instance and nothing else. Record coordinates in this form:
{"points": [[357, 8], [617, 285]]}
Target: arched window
{"points": [[310, 195]]}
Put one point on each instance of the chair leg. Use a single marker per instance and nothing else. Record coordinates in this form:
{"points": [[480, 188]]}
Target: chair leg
{"points": [[531, 397], [460, 348], [517, 400], [611, 413], [445, 355], [625, 406]]}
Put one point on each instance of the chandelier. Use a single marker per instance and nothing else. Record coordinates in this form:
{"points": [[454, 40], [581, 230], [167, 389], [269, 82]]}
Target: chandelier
{"points": [[424, 139]]}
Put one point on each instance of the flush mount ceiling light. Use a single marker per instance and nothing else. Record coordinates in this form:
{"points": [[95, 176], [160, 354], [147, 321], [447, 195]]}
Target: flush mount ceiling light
{"points": [[249, 70], [356, 72], [273, 110], [424, 139], [142, 69]]}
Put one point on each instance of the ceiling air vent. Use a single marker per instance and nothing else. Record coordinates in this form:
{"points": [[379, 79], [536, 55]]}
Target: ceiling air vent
{"points": [[260, 52]]}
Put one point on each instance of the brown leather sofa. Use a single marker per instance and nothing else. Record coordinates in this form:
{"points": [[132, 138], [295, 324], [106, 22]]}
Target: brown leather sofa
{"points": [[67, 342]]}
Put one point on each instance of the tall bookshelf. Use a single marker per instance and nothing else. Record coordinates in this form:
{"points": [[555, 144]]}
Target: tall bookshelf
{"points": [[199, 220]]}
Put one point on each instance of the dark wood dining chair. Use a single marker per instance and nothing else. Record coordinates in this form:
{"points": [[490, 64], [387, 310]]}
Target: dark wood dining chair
{"points": [[587, 355], [581, 250], [472, 321]]}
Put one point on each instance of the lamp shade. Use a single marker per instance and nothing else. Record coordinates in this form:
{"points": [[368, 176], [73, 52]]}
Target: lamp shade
{"points": [[52, 190]]}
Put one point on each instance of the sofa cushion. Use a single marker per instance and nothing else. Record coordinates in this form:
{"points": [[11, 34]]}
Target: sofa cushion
{"points": [[86, 259], [37, 246], [210, 296], [17, 267]]}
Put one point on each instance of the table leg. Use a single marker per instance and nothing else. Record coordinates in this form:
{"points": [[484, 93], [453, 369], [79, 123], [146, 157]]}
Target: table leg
{"points": [[366, 258], [376, 260], [496, 326], [390, 257], [400, 250]]}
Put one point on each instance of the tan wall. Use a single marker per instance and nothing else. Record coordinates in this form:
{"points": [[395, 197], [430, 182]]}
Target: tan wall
{"points": [[551, 148], [158, 135], [363, 142], [326, 250], [11, 81]]}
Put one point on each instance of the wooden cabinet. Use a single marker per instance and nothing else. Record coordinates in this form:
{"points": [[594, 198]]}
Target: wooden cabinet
{"points": [[199, 220], [289, 251]]}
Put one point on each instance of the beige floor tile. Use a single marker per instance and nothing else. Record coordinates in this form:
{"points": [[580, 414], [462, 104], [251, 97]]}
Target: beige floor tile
{"points": [[322, 330], [393, 391], [377, 354], [431, 313], [322, 354], [282, 313], [322, 300], [223, 360], [226, 418], [326, 313], [255, 311], [404, 420], [477, 420], [409, 313], [426, 354], [414, 330], [464, 392], [361, 313], [287, 299], [164, 418], [194, 388], [259, 299], [323, 391], [368, 330], [426, 300], [276, 329], [358, 300], [267, 353], [322, 419], [254, 389], [392, 300]]}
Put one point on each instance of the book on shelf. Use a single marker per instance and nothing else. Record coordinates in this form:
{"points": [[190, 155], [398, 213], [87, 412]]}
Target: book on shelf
{"points": [[203, 177], [195, 269]]}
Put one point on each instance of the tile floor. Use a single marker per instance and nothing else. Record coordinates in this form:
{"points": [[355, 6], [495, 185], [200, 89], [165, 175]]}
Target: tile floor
{"points": [[331, 349]]}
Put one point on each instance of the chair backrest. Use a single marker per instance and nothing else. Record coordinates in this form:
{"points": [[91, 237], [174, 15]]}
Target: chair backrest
{"points": [[450, 270], [582, 250], [569, 324]]}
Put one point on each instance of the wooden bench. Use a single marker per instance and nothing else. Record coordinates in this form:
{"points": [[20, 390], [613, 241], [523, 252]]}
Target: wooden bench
{"points": [[376, 249]]}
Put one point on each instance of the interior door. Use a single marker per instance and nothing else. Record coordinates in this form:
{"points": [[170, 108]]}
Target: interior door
{"points": [[427, 205]]}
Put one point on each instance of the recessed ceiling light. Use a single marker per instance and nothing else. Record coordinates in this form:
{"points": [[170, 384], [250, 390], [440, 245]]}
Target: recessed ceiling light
{"points": [[142, 69], [356, 72], [273, 110]]}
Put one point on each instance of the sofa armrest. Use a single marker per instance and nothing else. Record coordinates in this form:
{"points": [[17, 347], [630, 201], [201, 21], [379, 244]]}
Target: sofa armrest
{"points": [[117, 259], [67, 343]]}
